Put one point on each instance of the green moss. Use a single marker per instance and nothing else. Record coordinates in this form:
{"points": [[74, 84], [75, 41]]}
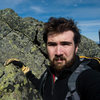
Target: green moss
{"points": [[25, 81], [15, 91], [44, 45], [34, 48], [7, 96]]}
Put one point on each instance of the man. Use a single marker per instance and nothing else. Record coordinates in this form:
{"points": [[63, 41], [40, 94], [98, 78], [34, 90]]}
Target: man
{"points": [[62, 38]]}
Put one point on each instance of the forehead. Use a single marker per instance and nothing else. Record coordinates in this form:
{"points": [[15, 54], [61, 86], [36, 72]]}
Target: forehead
{"points": [[64, 36]]}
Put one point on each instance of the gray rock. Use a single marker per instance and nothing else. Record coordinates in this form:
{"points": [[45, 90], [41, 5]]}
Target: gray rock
{"points": [[15, 86], [22, 38], [88, 48]]}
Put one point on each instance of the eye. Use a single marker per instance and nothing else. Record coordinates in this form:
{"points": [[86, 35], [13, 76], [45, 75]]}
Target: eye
{"points": [[51, 44]]}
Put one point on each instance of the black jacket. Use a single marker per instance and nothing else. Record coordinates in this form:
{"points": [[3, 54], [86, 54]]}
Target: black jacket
{"points": [[88, 83]]}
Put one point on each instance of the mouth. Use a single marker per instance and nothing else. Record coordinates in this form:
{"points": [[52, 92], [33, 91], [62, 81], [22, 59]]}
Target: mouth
{"points": [[59, 60]]}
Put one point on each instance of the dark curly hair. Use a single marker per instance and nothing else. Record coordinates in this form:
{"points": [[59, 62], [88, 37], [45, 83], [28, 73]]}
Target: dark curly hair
{"points": [[59, 25]]}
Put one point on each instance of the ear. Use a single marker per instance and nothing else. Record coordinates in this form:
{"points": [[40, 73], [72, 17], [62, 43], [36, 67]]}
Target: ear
{"points": [[76, 48]]}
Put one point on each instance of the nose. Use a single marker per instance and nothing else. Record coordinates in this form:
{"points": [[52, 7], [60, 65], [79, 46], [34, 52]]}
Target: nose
{"points": [[59, 51]]}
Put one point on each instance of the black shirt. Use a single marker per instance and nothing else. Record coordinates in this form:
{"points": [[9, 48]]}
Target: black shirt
{"points": [[88, 84]]}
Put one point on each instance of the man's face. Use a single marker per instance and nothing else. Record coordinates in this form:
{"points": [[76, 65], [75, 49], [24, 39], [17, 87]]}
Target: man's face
{"points": [[61, 49]]}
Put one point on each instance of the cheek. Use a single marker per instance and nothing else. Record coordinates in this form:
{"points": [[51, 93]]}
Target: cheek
{"points": [[50, 53], [69, 52]]}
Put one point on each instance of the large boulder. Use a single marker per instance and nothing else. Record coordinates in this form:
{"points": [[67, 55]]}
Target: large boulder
{"points": [[89, 48], [15, 86], [22, 38]]}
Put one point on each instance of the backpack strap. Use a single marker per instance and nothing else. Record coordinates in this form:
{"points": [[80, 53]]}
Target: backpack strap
{"points": [[96, 58], [42, 84], [72, 94]]}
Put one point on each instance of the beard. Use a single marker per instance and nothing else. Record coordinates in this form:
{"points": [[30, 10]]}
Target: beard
{"points": [[57, 66]]}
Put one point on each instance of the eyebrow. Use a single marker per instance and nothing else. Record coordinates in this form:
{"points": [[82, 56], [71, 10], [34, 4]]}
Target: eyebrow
{"points": [[62, 43], [65, 43], [51, 43]]}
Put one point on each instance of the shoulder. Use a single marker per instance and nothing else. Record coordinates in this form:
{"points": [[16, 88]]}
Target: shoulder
{"points": [[94, 62], [88, 83], [89, 75]]}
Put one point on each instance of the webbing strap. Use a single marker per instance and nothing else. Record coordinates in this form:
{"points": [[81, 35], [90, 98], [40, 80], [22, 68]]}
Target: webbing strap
{"points": [[42, 84], [72, 94]]}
